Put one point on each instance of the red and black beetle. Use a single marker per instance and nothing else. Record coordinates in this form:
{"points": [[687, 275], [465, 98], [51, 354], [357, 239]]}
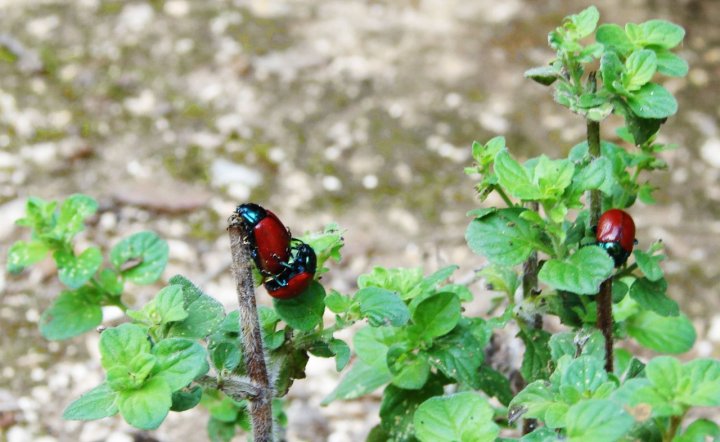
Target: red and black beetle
{"points": [[616, 234], [269, 237], [297, 275]]}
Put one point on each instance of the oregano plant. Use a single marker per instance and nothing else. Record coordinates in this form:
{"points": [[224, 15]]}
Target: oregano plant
{"points": [[437, 364]]}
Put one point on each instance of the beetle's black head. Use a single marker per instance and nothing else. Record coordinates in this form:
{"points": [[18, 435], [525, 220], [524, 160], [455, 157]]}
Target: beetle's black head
{"points": [[616, 252], [250, 213]]}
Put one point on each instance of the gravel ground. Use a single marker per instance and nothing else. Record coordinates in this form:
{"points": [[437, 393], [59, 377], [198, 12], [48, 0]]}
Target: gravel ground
{"points": [[361, 112]]}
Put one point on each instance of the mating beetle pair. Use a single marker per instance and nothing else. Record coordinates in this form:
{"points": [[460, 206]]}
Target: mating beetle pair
{"points": [[272, 249]]}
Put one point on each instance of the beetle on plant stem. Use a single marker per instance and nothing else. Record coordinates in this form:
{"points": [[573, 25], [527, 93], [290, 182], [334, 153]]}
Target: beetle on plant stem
{"points": [[297, 275], [616, 234], [268, 236]]}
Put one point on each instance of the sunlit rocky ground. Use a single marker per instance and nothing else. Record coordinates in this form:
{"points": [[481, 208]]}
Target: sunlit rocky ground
{"points": [[172, 112]]}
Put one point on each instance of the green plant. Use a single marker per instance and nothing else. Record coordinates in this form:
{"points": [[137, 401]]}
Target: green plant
{"points": [[440, 379]]}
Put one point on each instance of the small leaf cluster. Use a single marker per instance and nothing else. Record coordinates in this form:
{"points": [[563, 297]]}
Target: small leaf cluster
{"points": [[581, 401], [629, 58], [139, 258], [416, 343], [162, 360]]}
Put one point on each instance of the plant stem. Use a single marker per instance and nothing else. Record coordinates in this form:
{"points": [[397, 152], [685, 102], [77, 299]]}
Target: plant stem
{"points": [[604, 296], [675, 422], [605, 320], [530, 290], [261, 403], [504, 196], [234, 387]]}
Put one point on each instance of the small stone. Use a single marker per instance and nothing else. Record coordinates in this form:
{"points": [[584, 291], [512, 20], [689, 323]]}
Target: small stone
{"points": [[224, 172], [710, 152]]}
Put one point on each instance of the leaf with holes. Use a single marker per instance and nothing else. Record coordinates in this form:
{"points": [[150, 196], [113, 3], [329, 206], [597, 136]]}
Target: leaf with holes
{"points": [[141, 257]]}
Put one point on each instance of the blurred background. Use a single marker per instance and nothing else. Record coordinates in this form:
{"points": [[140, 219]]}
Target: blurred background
{"points": [[170, 113]]}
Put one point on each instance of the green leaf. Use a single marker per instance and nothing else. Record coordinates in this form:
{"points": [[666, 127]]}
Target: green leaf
{"points": [[183, 400], [179, 361], [532, 402], [581, 273], [514, 178], [119, 345], [24, 254], [111, 282], [170, 304], [664, 334], [536, 362], [652, 101], [97, 403], [650, 295], [371, 345], [584, 22], [700, 431], [585, 374], [649, 264], [592, 176], [504, 237], [342, 353], [464, 417], [219, 431], [409, 370], [613, 36], [327, 245], [205, 314], [495, 384], [71, 314], [225, 356], [459, 356], [545, 75], [704, 383], [146, 407], [398, 408], [132, 375], [597, 420], [431, 282], [73, 212], [141, 257], [382, 307], [359, 381], [437, 315], [501, 278], [661, 33], [74, 271], [640, 67], [670, 64], [582, 343], [542, 434], [337, 302], [304, 312], [167, 306], [400, 280], [552, 176]]}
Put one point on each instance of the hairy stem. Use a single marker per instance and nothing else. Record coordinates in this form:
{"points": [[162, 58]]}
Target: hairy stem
{"points": [[530, 290], [605, 320], [604, 297], [234, 387], [261, 403]]}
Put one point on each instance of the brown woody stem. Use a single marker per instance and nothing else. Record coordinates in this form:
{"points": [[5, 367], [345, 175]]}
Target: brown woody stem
{"points": [[261, 402], [604, 296]]}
